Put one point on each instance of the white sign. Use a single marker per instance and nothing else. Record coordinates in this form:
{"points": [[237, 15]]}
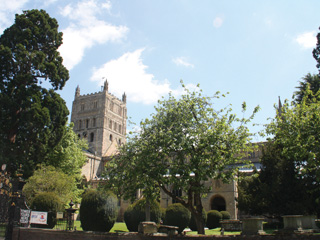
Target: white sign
{"points": [[38, 217], [24, 216], [59, 215]]}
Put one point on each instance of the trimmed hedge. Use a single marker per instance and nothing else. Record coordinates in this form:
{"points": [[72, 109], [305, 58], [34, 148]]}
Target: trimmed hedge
{"points": [[225, 215], [192, 223], [98, 211], [47, 202], [213, 219], [177, 215], [136, 213]]}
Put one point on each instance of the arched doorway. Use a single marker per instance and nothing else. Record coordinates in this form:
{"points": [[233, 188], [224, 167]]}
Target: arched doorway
{"points": [[218, 203]]}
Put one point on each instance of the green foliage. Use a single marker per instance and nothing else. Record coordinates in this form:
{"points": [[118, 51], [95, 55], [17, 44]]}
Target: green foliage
{"points": [[316, 51], [185, 143], [32, 118], [225, 215], [309, 82], [288, 182], [98, 211], [47, 179], [193, 225], [213, 219], [163, 213], [68, 155], [47, 202], [177, 215], [136, 213], [277, 189]]}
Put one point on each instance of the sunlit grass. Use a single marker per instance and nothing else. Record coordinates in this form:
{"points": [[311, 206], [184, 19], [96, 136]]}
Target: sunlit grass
{"points": [[215, 231]]}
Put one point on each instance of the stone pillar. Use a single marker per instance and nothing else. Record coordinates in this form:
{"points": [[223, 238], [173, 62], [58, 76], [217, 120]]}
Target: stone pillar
{"points": [[309, 222], [252, 226], [292, 222]]}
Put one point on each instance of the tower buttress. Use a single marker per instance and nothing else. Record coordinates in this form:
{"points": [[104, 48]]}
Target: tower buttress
{"points": [[77, 92]]}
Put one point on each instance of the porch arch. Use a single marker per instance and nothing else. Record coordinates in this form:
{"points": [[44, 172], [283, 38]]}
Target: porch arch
{"points": [[218, 203]]}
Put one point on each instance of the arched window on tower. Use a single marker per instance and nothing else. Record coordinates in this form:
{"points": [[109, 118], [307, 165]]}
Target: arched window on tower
{"points": [[91, 137], [110, 137]]}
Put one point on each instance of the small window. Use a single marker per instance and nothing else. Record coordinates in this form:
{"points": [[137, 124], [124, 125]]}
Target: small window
{"points": [[111, 106], [80, 124], [115, 126], [93, 122], [87, 123], [119, 128], [91, 137], [110, 124], [95, 104], [82, 106], [110, 137]]}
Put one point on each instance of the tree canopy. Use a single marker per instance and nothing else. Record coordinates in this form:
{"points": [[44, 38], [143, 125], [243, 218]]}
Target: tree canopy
{"points": [[48, 179], [32, 117], [185, 143], [311, 82]]}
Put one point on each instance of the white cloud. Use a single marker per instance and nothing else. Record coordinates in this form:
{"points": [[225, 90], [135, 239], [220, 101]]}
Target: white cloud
{"points": [[85, 30], [307, 40], [129, 74], [182, 61], [8, 10], [217, 22]]}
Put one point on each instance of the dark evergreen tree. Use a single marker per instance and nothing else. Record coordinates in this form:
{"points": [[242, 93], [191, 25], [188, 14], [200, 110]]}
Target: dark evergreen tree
{"points": [[316, 51], [277, 190], [32, 117]]}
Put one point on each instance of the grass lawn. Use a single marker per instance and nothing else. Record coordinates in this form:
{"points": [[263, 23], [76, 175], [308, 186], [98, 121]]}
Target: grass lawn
{"points": [[215, 231], [118, 227]]}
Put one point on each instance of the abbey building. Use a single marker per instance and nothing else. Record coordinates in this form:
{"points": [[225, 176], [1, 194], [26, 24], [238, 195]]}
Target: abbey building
{"points": [[101, 118]]}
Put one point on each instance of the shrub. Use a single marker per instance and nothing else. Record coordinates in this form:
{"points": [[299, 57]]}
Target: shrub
{"points": [[213, 219], [192, 223], [177, 215], [225, 215], [136, 213], [163, 213], [98, 211], [47, 202]]}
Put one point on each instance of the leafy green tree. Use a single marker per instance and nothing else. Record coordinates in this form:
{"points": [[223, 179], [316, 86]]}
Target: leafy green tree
{"points": [[311, 82], [185, 143], [32, 117], [68, 155], [47, 179]]}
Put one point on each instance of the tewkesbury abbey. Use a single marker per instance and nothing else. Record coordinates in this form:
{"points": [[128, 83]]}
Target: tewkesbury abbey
{"points": [[101, 118]]}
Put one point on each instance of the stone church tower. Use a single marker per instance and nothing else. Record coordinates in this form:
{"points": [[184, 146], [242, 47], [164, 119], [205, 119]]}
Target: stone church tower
{"points": [[101, 118]]}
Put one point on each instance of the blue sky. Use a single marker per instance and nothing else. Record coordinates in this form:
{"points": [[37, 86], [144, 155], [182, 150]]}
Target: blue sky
{"points": [[256, 50]]}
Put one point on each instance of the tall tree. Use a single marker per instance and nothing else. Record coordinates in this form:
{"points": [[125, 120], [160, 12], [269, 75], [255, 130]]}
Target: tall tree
{"points": [[316, 51], [289, 182], [184, 144], [32, 117], [311, 82]]}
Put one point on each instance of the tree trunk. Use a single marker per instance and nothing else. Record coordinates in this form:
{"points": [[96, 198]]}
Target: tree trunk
{"points": [[198, 216], [200, 223]]}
